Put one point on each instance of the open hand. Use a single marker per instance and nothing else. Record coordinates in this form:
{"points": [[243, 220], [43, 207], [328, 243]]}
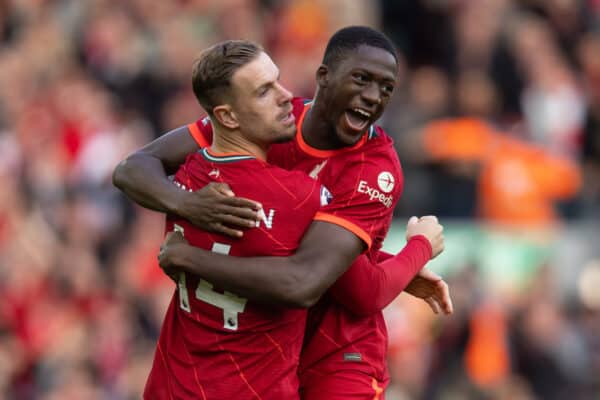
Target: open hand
{"points": [[215, 208], [429, 286]]}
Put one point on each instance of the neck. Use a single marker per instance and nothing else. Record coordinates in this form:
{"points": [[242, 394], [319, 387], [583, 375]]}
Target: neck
{"points": [[317, 132], [234, 142]]}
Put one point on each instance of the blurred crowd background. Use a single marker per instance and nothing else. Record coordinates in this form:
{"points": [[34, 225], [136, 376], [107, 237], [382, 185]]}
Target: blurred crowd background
{"points": [[496, 121]]}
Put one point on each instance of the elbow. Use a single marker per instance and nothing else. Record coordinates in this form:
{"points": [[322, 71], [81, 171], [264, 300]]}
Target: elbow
{"points": [[119, 175], [302, 299], [124, 172], [306, 299]]}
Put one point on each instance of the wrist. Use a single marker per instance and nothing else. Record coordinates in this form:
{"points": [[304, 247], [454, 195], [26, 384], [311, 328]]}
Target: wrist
{"points": [[174, 204]]}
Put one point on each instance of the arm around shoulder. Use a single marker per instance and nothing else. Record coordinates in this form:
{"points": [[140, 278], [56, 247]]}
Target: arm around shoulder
{"points": [[143, 175], [296, 281]]}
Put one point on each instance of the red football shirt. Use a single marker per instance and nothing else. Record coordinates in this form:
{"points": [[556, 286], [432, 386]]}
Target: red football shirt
{"points": [[214, 344], [366, 183]]}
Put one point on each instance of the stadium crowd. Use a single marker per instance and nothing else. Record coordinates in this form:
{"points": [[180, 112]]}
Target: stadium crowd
{"points": [[496, 121]]}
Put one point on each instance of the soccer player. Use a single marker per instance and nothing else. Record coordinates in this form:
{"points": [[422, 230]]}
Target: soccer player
{"points": [[336, 143], [215, 344]]}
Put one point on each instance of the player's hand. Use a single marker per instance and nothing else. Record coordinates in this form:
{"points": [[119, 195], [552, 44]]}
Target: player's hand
{"points": [[429, 286], [168, 252], [429, 227], [215, 208]]}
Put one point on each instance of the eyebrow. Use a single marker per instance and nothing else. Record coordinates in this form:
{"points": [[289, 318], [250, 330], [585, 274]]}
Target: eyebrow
{"points": [[374, 75], [269, 83], [264, 85]]}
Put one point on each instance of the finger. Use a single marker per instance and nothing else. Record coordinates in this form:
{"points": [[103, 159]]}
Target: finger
{"points": [[433, 304], [218, 227], [173, 235], [240, 212], [173, 238], [241, 202], [235, 221], [224, 189], [413, 220], [168, 236], [429, 217], [429, 275], [444, 297]]}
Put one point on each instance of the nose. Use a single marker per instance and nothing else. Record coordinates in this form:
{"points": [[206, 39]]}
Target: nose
{"points": [[371, 94], [285, 95]]}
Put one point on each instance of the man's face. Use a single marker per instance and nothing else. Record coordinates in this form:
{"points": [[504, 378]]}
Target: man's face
{"points": [[262, 105], [358, 90]]}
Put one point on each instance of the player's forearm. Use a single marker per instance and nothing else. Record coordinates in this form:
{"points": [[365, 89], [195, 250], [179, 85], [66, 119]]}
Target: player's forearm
{"points": [[144, 180], [142, 176], [297, 281], [383, 282], [382, 256], [266, 280]]}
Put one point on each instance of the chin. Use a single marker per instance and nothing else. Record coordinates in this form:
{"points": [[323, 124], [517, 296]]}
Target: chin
{"points": [[348, 138], [284, 138]]}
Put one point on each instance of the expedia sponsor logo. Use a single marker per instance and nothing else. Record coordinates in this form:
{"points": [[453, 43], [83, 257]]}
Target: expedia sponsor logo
{"points": [[386, 181], [374, 194]]}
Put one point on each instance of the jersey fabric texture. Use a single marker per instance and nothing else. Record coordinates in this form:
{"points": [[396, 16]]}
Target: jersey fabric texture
{"points": [[214, 344]]}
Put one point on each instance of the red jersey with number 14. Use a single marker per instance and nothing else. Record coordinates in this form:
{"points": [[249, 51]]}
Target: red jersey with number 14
{"points": [[214, 344]]}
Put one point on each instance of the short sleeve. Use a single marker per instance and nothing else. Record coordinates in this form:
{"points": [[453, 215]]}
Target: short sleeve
{"points": [[365, 195], [201, 131]]}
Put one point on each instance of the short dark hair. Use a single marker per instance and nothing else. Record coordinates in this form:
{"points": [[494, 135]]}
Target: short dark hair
{"points": [[213, 69], [350, 38]]}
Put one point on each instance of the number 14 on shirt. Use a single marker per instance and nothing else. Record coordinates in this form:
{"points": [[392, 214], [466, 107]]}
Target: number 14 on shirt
{"points": [[231, 304]]}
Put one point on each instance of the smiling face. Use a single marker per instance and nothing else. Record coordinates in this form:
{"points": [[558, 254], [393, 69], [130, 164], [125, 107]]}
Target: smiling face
{"points": [[357, 90]]}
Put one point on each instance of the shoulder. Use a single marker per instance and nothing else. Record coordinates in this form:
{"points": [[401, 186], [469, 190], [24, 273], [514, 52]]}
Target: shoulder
{"points": [[380, 141], [296, 180], [377, 152], [190, 174], [201, 131], [375, 165], [292, 190]]}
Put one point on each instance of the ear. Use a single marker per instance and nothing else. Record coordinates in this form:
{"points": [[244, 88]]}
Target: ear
{"points": [[226, 116], [322, 75]]}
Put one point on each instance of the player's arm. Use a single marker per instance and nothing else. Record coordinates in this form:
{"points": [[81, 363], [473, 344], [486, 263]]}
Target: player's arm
{"points": [[382, 282], [143, 177], [297, 280]]}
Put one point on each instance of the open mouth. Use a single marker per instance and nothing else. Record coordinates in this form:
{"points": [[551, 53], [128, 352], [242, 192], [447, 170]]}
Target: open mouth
{"points": [[357, 119]]}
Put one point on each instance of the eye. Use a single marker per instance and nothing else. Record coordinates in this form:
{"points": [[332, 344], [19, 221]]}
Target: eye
{"points": [[263, 91], [360, 78], [387, 89]]}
